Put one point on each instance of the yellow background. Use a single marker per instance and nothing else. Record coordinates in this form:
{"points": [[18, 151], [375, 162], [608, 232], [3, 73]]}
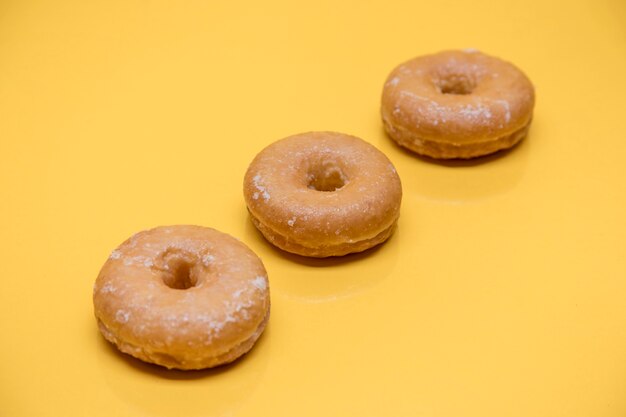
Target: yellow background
{"points": [[501, 294]]}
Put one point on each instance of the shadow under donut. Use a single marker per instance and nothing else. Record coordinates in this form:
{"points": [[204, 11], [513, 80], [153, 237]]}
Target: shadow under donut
{"points": [[319, 280], [462, 180], [154, 390]]}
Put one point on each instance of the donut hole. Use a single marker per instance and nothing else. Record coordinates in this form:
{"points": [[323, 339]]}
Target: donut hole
{"points": [[180, 273], [326, 176], [457, 84]]}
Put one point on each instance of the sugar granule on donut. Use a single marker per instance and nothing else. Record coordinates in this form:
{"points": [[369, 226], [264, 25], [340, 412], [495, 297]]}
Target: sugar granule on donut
{"points": [[184, 297], [323, 194], [457, 104]]}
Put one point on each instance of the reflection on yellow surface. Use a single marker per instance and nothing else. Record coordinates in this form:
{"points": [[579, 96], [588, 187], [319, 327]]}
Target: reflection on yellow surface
{"points": [[315, 280], [459, 181], [155, 391]]}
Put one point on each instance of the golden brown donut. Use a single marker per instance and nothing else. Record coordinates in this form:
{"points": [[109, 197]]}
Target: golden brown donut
{"points": [[457, 104], [184, 297], [323, 194]]}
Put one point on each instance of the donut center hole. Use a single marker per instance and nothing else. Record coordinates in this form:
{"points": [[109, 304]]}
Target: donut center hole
{"points": [[326, 176], [457, 84], [180, 274]]}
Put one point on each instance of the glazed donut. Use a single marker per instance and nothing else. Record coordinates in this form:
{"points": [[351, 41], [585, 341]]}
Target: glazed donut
{"points": [[184, 297], [457, 104], [323, 194]]}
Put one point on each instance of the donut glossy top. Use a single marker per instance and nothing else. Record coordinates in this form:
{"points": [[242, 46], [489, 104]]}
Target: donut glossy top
{"points": [[184, 297], [321, 191], [458, 97]]}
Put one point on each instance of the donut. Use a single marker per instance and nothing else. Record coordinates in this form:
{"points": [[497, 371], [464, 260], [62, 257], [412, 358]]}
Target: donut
{"points": [[322, 194], [183, 297], [457, 104]]}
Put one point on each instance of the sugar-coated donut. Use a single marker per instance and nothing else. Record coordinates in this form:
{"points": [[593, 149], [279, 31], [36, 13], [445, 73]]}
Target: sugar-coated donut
{"points": [[184, 297], [457, 104], [323, 194]]}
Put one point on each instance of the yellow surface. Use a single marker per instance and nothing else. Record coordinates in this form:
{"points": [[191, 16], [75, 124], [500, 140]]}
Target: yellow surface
{"points": [[501, 294]]}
